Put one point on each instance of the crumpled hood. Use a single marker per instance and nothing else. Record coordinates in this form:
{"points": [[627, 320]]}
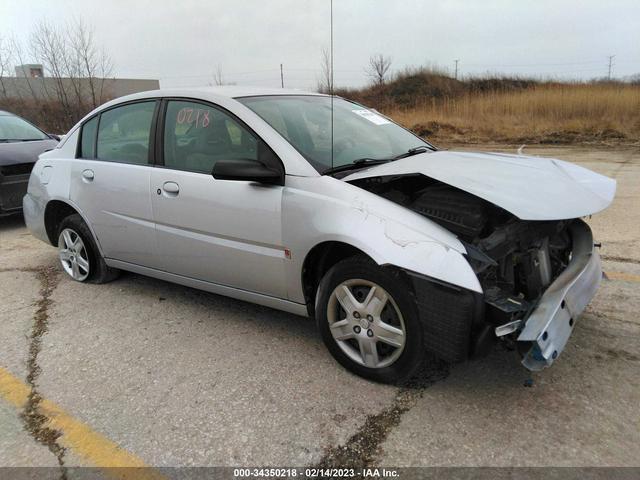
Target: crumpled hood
{"points": [[15, 153], [531, 188]]}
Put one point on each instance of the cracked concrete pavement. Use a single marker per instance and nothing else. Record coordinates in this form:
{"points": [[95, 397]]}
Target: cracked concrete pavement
{"points": [[180, 377]]}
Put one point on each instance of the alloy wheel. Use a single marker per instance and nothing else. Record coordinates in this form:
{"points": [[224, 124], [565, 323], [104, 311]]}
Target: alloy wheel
{"points": [[73, 254], [366, 323]]}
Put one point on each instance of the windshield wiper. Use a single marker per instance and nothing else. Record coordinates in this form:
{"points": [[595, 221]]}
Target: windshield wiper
{"points": [[358, 163], [413, 151], [376, 161]]}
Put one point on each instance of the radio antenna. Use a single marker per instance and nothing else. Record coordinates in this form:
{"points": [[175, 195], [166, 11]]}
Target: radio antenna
{"points": [[331, 77]]}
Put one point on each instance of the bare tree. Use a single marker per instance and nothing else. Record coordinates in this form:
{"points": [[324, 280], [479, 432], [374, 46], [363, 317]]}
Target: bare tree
{"points": [[378, 67], [218, 77], [18, 56], [50, 46], [90, 62], [77, 66], [6, 58], [105, 70], [325, 82]]}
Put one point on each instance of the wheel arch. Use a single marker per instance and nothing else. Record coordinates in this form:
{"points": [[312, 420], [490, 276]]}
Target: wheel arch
{"points": [[318, 261], [425, 258], [57, 210]]}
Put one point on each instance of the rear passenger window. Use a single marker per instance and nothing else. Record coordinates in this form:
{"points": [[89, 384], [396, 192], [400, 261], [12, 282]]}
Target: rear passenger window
{"points": [[196, 136], [88, 139], [124, 132]]}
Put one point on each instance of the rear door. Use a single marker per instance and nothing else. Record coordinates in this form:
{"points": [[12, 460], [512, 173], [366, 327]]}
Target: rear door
{"points": [[110, 180], [221, 231]]}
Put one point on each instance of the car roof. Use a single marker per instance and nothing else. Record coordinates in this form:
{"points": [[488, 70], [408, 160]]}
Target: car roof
{"points": [[7, 114], [233, 91], [228, 92]]}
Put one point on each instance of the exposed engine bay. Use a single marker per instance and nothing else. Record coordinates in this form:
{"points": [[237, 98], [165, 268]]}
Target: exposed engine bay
{"points": [[514, 260]]}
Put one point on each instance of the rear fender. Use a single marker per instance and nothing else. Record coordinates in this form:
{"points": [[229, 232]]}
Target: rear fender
{"points": [[50, 180]]}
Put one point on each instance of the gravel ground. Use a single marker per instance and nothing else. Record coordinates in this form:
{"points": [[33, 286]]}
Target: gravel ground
{"points": [[178, 377]]}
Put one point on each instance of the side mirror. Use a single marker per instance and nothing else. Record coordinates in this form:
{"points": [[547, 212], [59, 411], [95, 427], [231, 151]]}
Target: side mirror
{"points": [[248, 170]]}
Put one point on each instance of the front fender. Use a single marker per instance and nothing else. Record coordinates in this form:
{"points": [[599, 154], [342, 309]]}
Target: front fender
{"points": [[322, 209]]}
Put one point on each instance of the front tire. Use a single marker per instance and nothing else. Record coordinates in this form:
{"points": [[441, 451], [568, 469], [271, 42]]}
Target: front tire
{"points": [[79, 255], [368, 321]]}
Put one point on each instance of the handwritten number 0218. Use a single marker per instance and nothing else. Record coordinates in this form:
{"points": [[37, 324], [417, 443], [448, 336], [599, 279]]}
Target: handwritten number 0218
{"points": [[199, 117]]}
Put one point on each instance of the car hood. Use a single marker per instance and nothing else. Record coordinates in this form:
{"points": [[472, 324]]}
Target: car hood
{"points": [[15, 153], [531, 188]]}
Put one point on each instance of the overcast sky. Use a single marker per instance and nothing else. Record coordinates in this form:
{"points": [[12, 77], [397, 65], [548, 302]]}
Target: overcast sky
{"points": [[181, 42]]}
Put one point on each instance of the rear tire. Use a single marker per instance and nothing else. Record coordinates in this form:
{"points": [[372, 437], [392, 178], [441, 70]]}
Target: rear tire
{"points": [[79, 255], [381, 337]]}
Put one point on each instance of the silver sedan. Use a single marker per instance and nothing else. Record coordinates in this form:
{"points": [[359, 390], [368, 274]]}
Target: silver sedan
{"points": [[322, 207]]}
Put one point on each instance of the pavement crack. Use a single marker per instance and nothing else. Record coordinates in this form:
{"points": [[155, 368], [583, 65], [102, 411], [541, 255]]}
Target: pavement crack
{"points": [[363, 448], [35, 421], [613, 258]]}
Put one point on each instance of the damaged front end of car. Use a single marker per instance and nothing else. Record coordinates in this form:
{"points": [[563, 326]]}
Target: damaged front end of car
{"points": [[536, 276]]}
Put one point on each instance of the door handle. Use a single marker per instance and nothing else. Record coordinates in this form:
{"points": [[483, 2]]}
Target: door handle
{"points": [[171, 188], [87, 175]]}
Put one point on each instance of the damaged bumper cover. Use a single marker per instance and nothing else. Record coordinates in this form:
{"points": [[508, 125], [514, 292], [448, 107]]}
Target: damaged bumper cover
{"points": [[550, 325]]}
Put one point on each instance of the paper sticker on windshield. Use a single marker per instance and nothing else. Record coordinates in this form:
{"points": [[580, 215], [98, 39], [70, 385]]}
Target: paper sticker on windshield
{"points": [[371, 116]]}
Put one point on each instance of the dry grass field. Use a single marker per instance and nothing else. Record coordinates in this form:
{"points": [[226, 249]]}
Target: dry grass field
{"points": [[548, 113], [507, 109]]}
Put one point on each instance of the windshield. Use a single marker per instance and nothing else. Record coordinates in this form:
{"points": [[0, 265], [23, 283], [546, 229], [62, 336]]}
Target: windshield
{"points": [[14, 128], [358, 133]]}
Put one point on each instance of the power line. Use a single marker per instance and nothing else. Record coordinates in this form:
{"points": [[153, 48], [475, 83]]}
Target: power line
{"points": [[526, 65], [298, 75]]}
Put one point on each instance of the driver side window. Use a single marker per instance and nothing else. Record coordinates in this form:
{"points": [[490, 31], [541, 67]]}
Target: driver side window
{"points": [[197, 135]]}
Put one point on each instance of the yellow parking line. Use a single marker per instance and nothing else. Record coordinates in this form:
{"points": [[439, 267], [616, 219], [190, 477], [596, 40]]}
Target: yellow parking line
{"points": [[625, 277], [78, 437]]}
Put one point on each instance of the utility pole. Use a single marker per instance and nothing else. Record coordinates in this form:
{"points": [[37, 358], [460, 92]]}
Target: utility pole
{"points": [[281, 77], [611, 57], [456, 75]]}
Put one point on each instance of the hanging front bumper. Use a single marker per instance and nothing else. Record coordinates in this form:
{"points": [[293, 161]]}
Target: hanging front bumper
{"points": [[550, 325]]}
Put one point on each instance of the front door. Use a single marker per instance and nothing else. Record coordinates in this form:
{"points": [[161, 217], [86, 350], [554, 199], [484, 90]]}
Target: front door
{"points": [[220, 231], [110, 181]]}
